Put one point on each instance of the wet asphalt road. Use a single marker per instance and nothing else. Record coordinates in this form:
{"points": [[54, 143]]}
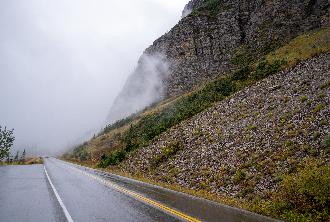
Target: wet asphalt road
{"points": [[92, 195], [25, 195]]}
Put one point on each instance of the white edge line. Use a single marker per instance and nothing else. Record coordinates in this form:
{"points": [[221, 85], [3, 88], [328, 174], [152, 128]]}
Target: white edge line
{"points": [[66, 213]]}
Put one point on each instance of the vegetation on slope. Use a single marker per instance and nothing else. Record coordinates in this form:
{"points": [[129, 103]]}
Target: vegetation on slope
{"points": [[302, 196], [150, 126], [210, 8], [138, 131]]}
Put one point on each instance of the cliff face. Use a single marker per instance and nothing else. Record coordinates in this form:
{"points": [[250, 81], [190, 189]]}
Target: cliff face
{"points": [[193, 4], [202, 45]]}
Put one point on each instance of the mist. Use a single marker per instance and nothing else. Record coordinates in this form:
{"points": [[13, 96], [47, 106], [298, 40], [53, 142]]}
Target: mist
{"points": [[63, 63], [145, 86]]}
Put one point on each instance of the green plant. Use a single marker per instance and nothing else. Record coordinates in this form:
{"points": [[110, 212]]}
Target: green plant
{"points": [[239, 176], [305, 194], [264, 68], [318, 108], [303, 99], [252, 127], [112, 159], [242, 73], [326, 141], [316, 135], [325, 85], [169, 151], [6, 142], [209, 8]]}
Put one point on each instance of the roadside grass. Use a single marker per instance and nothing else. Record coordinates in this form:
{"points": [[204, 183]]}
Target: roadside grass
{"points": [[234, 202], [28, 161]]}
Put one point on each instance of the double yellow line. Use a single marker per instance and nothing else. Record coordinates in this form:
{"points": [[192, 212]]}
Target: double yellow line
{"points": [[139, 197]]}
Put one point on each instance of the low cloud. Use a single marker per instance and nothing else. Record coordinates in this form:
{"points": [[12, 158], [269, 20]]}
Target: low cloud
{"points": [[144, 87]]}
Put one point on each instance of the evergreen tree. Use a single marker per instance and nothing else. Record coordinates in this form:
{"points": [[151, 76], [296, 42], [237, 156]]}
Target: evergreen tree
{"points": [[6, 142], [23, 156]]}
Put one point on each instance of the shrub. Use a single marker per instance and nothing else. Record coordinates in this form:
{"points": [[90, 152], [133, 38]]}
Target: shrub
{"points": [[264, 68], [318, 108], [325, 85], [326, 142], [242, 73], [239, 176], [168, 152], [209, 8], [305, 195], [303, 99], [112, 159]]}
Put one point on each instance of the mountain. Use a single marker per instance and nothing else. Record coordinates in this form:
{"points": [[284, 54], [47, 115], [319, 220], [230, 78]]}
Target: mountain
{"points": [[233, 105], [203, 44]]}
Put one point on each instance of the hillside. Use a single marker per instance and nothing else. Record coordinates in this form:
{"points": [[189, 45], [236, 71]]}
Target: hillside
{"points": [[202, 45], [244, 146], [255, 134]]}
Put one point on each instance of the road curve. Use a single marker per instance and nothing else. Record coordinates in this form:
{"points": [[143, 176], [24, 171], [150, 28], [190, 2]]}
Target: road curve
{"points": [[93, 195]]}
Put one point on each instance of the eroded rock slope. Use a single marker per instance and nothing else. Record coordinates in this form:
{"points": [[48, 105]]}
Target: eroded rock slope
{"points": [[243, 144]]}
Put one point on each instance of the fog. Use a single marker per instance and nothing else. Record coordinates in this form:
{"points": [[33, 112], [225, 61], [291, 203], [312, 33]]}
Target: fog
{"points": [[143, 87], [63, 62]]}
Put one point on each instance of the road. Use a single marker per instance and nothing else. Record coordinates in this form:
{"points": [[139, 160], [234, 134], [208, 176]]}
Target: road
{"points": [[61, 191]]}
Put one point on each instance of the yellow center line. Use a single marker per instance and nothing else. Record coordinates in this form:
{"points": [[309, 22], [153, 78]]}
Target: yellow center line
{"points": [[139, 197]]}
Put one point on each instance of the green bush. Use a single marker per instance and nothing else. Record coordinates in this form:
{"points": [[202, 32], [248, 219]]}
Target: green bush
{"points": [[265, 69], [112, 159], [239, 176], [305, 196], [326, 142], [242, 73], [168, 152]]}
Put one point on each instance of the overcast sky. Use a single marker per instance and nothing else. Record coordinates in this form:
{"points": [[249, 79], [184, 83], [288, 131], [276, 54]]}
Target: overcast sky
{"points": [[62, 63]]}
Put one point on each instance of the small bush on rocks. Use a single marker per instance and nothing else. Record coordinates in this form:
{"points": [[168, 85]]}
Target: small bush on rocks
{"points": [[305, 195], [168, 152]]}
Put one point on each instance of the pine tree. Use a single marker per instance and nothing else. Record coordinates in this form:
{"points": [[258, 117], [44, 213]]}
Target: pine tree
{"points": [[6, 142], [23, 156]]}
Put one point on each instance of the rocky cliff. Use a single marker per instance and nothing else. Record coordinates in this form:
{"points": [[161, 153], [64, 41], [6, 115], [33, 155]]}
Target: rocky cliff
{"points": [[205, 42]]}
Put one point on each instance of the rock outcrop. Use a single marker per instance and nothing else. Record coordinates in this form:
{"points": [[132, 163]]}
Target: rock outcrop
{"points": [[193, 4], [202, 45]]}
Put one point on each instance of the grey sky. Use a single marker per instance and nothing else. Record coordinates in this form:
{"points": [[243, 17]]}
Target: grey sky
{"points": [[62, 63]]}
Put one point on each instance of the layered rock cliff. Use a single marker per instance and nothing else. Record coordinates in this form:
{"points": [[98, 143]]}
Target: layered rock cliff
{"points": [[203, 44]]}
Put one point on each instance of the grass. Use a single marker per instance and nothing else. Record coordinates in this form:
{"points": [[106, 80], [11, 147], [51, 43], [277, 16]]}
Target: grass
{"points": [[302, 47], [28, 161]]}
